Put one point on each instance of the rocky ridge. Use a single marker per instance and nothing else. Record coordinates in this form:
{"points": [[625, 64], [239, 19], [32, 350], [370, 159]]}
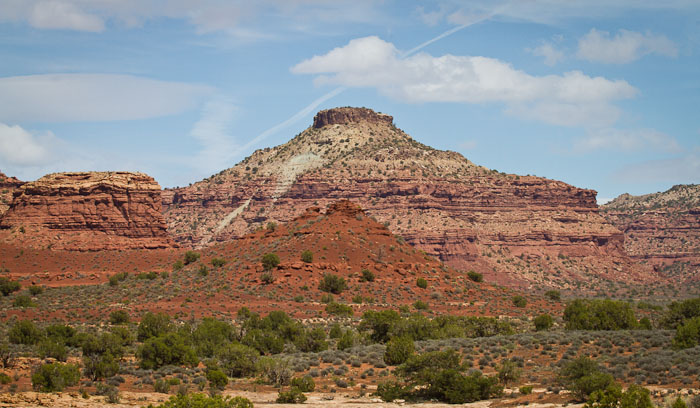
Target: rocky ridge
{"points": [[520, 230], [8, 185], [662, 229], [88, 211]]}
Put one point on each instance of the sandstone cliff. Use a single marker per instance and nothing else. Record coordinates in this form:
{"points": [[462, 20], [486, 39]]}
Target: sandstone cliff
{"points": [[88, 211], [662, 229], [8, 185], [516, 229]]}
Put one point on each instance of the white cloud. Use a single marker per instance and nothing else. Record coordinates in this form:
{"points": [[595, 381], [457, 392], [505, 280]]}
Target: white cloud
{"points": [[569, 99], [52, 14], [550, 54], [93, 97], [213, 131], [626, 46], [628, 140], [20, 147]]}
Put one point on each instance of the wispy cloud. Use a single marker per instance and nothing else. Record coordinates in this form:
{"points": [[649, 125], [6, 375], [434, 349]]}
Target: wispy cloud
{"points": [[681, 169], [20, 147], [93, 97], [625, 47], [375, 63], [551, 54], [628, 140], [214, 132]]}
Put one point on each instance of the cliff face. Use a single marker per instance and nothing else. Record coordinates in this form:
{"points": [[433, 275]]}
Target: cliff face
{"points": [[516, 229], [662, 229], [8, 185], [88, 211]]}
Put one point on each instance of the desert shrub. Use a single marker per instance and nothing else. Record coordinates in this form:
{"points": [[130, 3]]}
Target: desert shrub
{"points": [[525, 389], [475, 276], [379, 323], [645, 323], [8, 286], [105, 343], [178, 265], [454, 387], [203, 401], [274, 371], [217, 379], [23, 301], [327, 298], [613, 397], [398, 350], [508, 372], [190, 257], [119, 317], [293, 396], [6, 355], [267, 278], [421, 283], [24, 332], [339, 309], [311, 341], [154, 325], [203, 270], [63, 334], [218, 262], [210, 334], [307, 256], [237, 360], [5, 379], [420, 305], [304, 384], [679, 403], [52, 348], [595, 314], [161, 386], [366, 276], [332, 284], [389, 391], [97, 367], [35, 290], [543, 322], [54, 377], [687, 334], [678, 312], [519, 301], [169, 349], [553, 295], [270, 261], [346, 340], [583, 377]]}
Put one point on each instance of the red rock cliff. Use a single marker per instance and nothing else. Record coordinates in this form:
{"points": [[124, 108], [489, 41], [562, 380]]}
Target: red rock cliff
{"points": [[89, 211], [8, 185]]}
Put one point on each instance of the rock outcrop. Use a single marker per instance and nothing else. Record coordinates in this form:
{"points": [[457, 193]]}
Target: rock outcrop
{"points": [[520, 230], [662, 229], [88, 211], [8, 185]]}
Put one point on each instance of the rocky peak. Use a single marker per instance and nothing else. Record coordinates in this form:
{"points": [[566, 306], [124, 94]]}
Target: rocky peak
{"points": [[345, 207], [342, 116]]}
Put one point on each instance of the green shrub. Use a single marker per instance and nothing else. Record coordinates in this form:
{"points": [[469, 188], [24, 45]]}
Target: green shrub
{"points": [[645, 323], [543, 322], [178, 265], [679, 403], [190, 257], [5, 379], [267, 278], [421, 283], [398, 350], [8, 286], [583, 377], [109, 391], [55, 377], [596, 314], [275, 371], [327, 298], [23, 301], [420, 305], [119, 317], [508, 372], [237, 360], [161, 386], [613, 397], [367, 276], [217, 379], [332, 284], [475, 276], [218, 262], [202, 401], [678, 312], [553, 295], [346, 340], [525, 389], [293, 396], [453, 387], [519, 301], [35, 290], [270, 261], [304, 384], [154, 325], [96, 366], [389, 391], [203, 270], [687, 334], [24, 332], [339, 309], [307, 256], [52, 348], [169, 349]]}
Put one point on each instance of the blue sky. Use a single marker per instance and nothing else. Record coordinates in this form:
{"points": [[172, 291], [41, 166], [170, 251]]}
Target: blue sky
{"points": [[603, 97]]}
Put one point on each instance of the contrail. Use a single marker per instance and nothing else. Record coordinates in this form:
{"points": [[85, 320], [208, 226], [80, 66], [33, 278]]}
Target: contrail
{"points": [[337, 91]]}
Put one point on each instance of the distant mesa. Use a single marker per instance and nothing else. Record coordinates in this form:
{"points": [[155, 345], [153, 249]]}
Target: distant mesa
{"points": [[344, 116], [89, 211]]}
